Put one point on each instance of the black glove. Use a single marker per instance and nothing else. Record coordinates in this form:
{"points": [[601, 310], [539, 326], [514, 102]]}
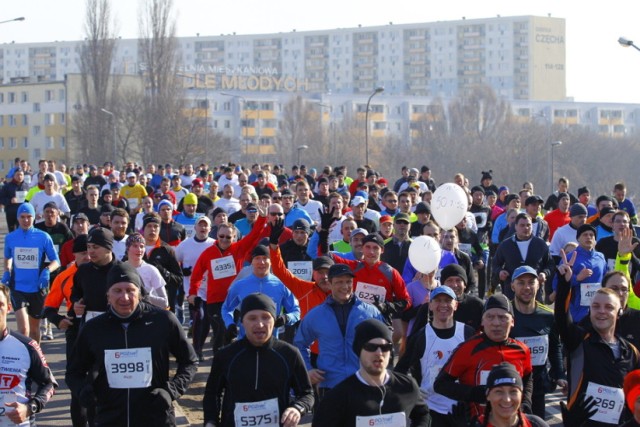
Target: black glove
{"points": [[187, 271], [87, 396], [326, 219], [231, 333], [280, 321], [382, 306], [478, 394], [276, 232], [580, 412], [460, 416], [159, 400]]}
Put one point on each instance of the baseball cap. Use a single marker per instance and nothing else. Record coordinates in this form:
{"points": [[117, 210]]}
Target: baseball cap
{"points": [[301, 224], [533, 199], [322, 262], [131, 175], [340, 270], [401, 216], [80, 217], [358, 200], [203, 218], [442, 290], [522, 270], [358, 231], [385, 218]]}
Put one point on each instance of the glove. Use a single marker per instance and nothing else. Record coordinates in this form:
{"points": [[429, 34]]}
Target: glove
{"points": [[187, 271], [459, 415], [280, 321], [478, 394], [6, 278], [43, 281], [326, 219], [582, 410], [382, 306], [87, 396], [159, 400], [231, 332], [276, 232]]}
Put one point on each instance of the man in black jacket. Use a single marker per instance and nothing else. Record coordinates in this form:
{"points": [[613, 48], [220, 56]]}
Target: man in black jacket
{"points": [[124, 370]]}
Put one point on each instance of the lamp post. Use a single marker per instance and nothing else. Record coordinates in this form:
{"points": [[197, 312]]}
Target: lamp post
{"points": [[301, 148], [113, 119], [553, 145], [624, 42], [245, 128], [22, 18], [366, 123]]}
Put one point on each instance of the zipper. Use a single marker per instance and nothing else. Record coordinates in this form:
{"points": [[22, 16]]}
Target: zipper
{"points": [[257, 368]]}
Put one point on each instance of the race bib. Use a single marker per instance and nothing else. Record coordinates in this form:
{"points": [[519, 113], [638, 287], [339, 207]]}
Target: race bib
{"points": [[367, 292], [465, 247], [9, 397], [609, 401], [539, 347], [484, 376], [92, 314], [587, 291], [20, 196], [223, 267], [27, 258], [301, 269], [189, 230], [133, 203], [128, 367], [397, 419], [263, 414]]}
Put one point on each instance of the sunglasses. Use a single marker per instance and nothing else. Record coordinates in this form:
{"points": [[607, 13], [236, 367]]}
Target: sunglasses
{"points": [[276, 198], [222, 236], [371, 347]]}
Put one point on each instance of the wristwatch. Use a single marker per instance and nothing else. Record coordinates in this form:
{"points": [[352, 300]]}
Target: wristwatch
{"points": [[33, 407]]}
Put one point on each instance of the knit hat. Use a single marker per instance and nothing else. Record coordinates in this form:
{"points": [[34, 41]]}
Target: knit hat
{"points": [[257, 301], [260, 250], [102, 237], [586, 227], [504, 374], [27, 208], [368, 330], [563, 196], [123, 272], [423, 207], [216, 212], [631, 388], [106, 208], [79, 244], [476, 189], [165, 202], [583, 190], [577, 209], [150, 219], [486, 175], [134, 238], [190, 199], [373, 238], [498, 301], [453, 270], [51, 205]]}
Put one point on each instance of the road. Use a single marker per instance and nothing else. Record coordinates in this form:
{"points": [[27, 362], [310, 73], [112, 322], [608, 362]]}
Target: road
{"points": [[188, 408]]}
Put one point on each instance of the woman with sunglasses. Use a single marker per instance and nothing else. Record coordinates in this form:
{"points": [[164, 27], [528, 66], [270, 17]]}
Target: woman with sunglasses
{"points": [[373, 393]]}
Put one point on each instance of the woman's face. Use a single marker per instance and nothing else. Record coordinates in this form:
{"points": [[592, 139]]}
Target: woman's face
{"points": [[505, 401], [136, 251]]}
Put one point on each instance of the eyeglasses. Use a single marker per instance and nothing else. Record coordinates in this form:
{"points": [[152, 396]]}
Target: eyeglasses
{"points": [[622, 291], [276, 198], [371, 347], [392, 201], [276, 214], [222, 236], [621, 221]]}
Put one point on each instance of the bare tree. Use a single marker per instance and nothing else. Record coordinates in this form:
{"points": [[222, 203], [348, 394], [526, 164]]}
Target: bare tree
{"points": [[300, 125]]}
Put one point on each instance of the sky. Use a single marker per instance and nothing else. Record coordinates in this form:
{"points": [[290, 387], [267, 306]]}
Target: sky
{"points": [[598, 68]]}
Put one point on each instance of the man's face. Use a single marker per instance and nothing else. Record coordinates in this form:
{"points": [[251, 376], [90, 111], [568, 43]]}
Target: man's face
{"points": [[166, 213], [225, 237], [587, 240], [202, 229], [563, 204], [607, 219], [323, 188], [165, 186], [261, 266], [99, 255], [262, 181], [198, 190], [585, 198], [300, 237], [303, 193], [119, 225], [92, 197], [190, 209], [404, 204], [431, 231], [497, 324], [287, 202], [346, 228], [449, 240], [76, 186], [391, 202], [401, 229], [5, 307], [442, 307], [620, 223], [258, 326], [578, 220], [477, 198], [563, 187], [372, 252], [456, 284], [275, 213], [620, 285], [358, 211], [532, 209], [374, 363], [620, 194], [80, 226], [336, 203], [189, 170], [49, 186], [341, 288], [124, 298], [131, 181], [321, 277], [18, 176], [525, 288], [151, 232], [213, 188], [604, 204], [135, 251], [523, 228], [604, 312], [176, 182], [51, 216], [514, 204], [386, 228], [105, 219]]}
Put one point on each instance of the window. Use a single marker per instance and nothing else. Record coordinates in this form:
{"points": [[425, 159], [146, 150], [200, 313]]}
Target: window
{"points": [[49, 119], [12, 97], [227, 124], [12, 120], [63, 142], [36, 130], [1, 98], [24, 97], [51, 141], [61, 95], [25, 142], [1, 142], [62, 118], [36, 107], [25, 120], [49, 96], [1, 120], [12, 143]]}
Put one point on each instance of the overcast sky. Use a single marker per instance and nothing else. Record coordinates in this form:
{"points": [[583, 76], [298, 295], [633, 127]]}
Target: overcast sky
{"points": [[598, 69]]}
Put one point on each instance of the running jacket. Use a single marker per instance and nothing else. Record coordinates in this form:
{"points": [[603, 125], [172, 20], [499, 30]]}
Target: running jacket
{"points": [[28, 248]]}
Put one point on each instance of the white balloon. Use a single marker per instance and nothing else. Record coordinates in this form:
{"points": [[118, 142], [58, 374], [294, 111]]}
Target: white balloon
{"points": [[449, 205], [424, 254]]}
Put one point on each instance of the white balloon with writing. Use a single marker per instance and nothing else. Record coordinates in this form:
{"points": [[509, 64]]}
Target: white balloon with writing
{"points": [[424, 254], [449, 205]]}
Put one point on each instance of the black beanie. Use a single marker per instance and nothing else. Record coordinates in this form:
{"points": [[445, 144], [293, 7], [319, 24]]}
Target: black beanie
{"points": [[257, 301], [498, 301], [368, 330], [80, 244], [123, 272], [102, 237], [260, 250], [586, 227], [504, 374], [453, 270]]}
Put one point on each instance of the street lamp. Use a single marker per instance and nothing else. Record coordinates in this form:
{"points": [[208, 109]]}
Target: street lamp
{"points": [[366, 123], [22, 18], [301, 148], [553, 144], [113, 119], [243, 125], [624, 42], [198, 77]]}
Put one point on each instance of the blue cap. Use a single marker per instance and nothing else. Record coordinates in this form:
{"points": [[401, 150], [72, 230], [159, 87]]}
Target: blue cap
{"points": [[521, 271], [442, 290], [26, 208]]}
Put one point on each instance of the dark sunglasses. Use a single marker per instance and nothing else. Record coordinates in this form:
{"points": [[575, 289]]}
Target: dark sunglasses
{"points": [[222, 236], [371, 347], [276, 198]]}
